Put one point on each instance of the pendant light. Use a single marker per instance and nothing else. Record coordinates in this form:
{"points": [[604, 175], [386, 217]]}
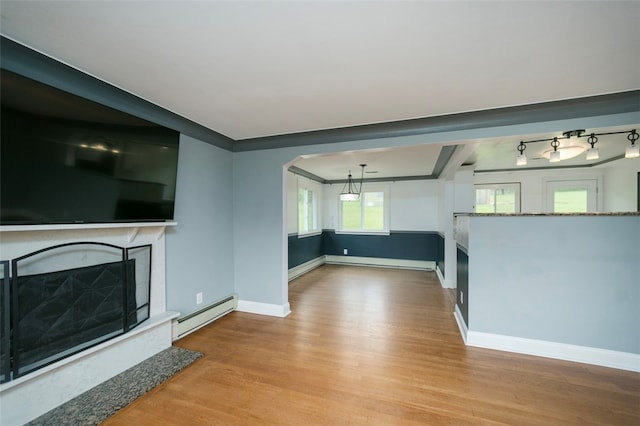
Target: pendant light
{"points": [[351, 190]]}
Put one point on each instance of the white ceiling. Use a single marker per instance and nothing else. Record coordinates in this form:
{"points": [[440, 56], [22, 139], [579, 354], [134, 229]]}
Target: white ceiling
{"points": [[254, 69], [497, 154], [417, 160]]}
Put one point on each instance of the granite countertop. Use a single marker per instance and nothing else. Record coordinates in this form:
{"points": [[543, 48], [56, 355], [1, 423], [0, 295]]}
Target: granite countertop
{"points": [[550, 214]]}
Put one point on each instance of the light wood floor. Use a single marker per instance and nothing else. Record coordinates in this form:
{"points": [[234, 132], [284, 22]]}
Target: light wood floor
{"points": [[373, 346]]}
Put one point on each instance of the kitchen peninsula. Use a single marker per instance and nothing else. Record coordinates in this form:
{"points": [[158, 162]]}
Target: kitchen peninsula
{"points": [[564, 286]]}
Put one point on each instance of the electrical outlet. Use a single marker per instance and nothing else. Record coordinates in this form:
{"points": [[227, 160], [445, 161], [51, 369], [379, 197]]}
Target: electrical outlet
{"points": [[345, 251], [198, 298], [462, 297]]}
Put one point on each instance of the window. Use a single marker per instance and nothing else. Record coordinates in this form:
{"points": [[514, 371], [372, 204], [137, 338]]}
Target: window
{"points": [[307, 211], [577, 196], [570, 200], [498, 198], [368, 214]]}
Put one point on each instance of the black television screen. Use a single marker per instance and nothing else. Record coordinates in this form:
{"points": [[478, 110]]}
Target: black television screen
{"points": [[65, 159]]}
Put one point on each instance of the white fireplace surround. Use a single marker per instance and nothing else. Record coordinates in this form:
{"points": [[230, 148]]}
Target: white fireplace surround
{"points": [[34, 394]]}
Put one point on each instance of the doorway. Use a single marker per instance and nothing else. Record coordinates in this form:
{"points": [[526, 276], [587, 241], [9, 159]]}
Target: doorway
{"points": [[572, 196]]}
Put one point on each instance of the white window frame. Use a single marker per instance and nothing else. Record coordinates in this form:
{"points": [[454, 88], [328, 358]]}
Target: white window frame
{"points": [[384, 188], [495, 186], [314, 187]]}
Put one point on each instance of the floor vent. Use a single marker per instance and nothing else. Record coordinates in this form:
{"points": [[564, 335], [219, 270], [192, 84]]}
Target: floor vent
{"points": [[195, 320]]}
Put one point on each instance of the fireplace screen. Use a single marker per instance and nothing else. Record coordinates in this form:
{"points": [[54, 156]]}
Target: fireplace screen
{"points": [[70, 297]]}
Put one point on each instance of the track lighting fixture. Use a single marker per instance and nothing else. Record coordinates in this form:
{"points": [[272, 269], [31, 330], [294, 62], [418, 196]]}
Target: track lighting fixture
{"points": [[554, 156], [573, 133], [592, 153], [632, 150], [562, 151], [521, 159]]}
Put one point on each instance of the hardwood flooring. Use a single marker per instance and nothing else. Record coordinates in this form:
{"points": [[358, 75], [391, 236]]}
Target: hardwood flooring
{"points": [[373, 346]]}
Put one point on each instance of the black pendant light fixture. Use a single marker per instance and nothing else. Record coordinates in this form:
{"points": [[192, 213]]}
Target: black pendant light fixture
{"points": [[352, 190]]}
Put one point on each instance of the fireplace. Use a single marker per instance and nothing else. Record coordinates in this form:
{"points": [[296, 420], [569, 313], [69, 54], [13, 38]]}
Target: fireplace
{"points": [[69, 297], [125, 330]]}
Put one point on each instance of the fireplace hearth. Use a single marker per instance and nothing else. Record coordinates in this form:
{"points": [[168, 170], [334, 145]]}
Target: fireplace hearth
{"points": [[58, 301], [35, 392]]}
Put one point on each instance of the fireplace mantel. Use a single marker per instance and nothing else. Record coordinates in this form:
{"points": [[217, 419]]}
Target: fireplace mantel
{"points": [[65, 226], [132, 227], [34, 394]]}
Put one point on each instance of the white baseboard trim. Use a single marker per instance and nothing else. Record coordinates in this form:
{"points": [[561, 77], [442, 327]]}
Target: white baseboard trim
{"points": [[461, 324], [264, 308], [302, 269], [444, 283], [426, 265], [563, 351]]}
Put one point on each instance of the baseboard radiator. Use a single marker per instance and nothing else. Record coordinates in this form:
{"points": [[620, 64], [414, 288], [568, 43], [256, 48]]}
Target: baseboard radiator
{"points": [[191, 322], [302, 269], [423, 265]]}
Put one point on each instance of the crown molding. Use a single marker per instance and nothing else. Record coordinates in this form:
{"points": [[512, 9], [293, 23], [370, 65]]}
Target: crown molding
{"points": [[27, 62]]}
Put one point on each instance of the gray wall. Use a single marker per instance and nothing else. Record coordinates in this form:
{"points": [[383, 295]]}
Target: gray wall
{"points": [[260, 234], [199, 250], [259, 226], [565, 279], [260, 231]]}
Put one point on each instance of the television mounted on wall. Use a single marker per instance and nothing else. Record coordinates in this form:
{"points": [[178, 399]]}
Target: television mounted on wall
{"points": [[65, 159]]}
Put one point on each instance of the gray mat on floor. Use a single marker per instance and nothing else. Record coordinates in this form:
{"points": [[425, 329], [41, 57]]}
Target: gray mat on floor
{"points": [[97, 404]]}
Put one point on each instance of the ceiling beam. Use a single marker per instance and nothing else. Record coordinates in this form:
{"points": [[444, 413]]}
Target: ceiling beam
{"points": [[461, 154], [300, 172], [614, 103]]}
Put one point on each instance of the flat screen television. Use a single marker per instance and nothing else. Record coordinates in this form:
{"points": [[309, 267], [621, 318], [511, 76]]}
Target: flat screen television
{"points": [[65, 159]]}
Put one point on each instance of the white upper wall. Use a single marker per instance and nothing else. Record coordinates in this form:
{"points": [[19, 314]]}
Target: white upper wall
{"points": [[463, 193], [621, 185], [294, 182], [413, 205]]}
